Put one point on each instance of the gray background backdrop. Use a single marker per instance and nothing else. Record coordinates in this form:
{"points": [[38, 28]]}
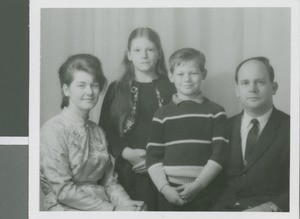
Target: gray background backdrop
{"points": [[225, 35]]}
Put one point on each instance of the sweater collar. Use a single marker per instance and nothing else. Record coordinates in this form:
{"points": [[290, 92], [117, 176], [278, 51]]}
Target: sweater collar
{"points": [[199, 99]]}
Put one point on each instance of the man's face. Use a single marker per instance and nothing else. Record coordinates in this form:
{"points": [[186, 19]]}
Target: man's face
{"points": [[254, 88]]}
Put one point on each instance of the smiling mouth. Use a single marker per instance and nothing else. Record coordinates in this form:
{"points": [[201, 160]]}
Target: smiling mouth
{"points": [[253, 98]]}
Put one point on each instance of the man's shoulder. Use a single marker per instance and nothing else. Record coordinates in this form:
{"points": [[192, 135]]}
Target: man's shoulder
{"points": [[281, 115], [282, 120], [235, 118]]}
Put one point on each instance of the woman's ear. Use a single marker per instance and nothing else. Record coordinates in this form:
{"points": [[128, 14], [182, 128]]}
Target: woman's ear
{"points": [[65, 89]]}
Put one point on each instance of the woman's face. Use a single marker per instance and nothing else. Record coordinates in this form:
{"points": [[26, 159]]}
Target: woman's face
{"points": [[83, 93], [144, 55]]}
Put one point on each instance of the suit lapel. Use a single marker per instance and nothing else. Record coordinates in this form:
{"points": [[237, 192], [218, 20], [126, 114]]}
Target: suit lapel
{"points": [[265, 139]]}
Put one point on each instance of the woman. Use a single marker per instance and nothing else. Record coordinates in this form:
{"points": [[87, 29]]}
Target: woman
{"points": [[76, 169]]}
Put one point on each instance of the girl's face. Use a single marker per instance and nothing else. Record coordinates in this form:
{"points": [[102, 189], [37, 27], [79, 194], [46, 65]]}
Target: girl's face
{"points": [[144, 55], [83, 93]]}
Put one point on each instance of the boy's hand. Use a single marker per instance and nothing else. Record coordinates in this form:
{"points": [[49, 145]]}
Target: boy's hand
{"points": [[172, 195], [140, 167], [188, 191]]}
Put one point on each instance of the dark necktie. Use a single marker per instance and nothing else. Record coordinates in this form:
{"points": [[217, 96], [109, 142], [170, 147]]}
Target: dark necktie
{"points": [[251, 139]]}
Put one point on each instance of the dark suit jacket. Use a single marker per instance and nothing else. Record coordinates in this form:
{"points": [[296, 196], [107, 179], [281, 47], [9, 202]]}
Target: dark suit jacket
{"points": [[266, 175]]}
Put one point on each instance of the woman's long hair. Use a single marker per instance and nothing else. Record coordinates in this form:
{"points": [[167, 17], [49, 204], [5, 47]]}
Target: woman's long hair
{"points": [[121, 104]]}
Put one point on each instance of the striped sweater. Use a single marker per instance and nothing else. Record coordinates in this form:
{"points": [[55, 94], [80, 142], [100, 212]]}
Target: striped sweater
{"points": [[187, 142]]}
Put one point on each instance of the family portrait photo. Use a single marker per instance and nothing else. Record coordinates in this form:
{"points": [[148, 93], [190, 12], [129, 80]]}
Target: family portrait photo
{"points": [[174, 112]]}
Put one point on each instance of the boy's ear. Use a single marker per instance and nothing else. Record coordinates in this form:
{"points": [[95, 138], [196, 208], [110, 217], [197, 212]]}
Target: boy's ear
{"points": [[65, 89], [274, 87], [170, 75]]}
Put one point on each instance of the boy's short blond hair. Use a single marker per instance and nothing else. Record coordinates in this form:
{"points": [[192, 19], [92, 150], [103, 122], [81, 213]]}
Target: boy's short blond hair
{"points": [[185, 55]]}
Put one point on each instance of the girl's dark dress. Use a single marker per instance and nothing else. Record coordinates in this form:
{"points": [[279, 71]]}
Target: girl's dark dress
{"points": [[150, 97]]}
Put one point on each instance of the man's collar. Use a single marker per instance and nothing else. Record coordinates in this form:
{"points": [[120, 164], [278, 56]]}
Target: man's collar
{"points": [[262, 119], [199, 99]]}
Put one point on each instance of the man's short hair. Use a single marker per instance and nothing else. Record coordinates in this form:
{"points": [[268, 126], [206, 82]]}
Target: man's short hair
{"points": [[262, 59]]}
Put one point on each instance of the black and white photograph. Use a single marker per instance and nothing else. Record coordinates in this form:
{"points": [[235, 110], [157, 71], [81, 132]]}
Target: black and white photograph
{"points": [[174, 111]]}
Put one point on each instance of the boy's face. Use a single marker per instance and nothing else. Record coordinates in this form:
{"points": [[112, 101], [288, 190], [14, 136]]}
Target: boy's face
{"points": [[254, 88], [187, 79]]}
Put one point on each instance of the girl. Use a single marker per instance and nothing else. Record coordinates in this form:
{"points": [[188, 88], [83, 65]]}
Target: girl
{"points": [[128, 108], [77, 173]]}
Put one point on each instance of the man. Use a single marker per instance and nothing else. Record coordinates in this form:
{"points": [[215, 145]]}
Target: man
{"points": [[257, 172]]}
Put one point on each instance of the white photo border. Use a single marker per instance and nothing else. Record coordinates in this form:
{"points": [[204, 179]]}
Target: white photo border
{"points": [[34, 104]]}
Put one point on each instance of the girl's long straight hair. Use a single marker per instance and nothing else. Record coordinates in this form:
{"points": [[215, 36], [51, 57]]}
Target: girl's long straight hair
{"points": [[121, 103]]}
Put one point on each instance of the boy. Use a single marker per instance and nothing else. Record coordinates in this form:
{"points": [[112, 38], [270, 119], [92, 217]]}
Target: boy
{"points": [[187, 144]]}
